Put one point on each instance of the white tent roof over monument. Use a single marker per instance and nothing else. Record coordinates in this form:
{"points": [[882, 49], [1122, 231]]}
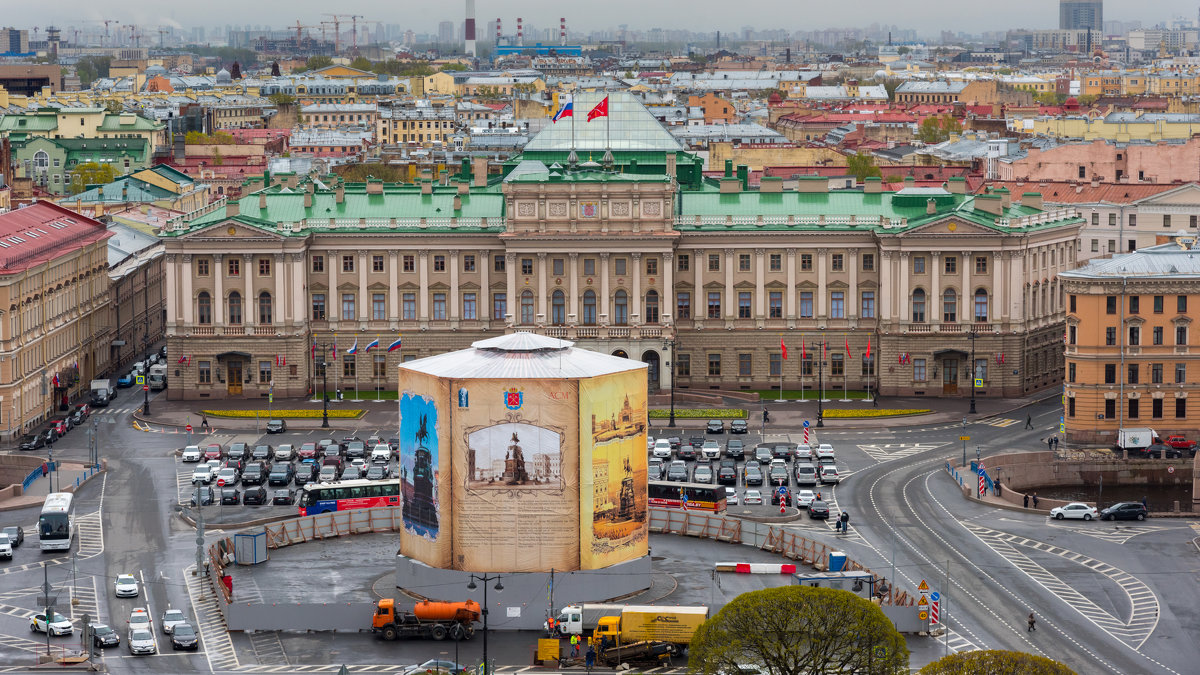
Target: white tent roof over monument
{"points": [[521, 356], [630, 128]]}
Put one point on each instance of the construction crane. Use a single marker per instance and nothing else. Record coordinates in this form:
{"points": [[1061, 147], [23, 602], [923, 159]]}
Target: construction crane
{"points": [[354, 22], [161, 33], [337, 29], [298, 28]]}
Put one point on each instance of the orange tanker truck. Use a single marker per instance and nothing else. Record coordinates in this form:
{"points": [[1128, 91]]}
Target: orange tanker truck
{"points": [[436, 620]]}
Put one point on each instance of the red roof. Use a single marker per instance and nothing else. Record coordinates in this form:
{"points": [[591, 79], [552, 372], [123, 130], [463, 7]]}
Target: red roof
{"points": [[1065, 192], [43, 231]]}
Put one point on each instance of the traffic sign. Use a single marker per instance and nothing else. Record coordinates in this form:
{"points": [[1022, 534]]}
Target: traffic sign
{"points": [[145, 387], [964, 438], [141, 379], [978, 382], [220, 482], [935, 596], [923, 587], [923, 601], [933, 612], [189, 428], [1170, 469], [923, 615], [805, 424]]}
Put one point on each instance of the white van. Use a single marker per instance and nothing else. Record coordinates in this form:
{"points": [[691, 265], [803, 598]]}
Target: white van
{"points": [[381, 454]]}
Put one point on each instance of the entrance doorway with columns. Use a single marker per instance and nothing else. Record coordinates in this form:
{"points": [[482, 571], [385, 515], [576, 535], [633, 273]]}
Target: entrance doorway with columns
{"points": [[651, 359]]}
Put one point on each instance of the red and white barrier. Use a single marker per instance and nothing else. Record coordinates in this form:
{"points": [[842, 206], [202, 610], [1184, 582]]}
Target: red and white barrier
{"points": [[756, 568]]}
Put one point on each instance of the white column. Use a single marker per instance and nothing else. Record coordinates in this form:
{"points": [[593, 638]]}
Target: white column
{"points": [[423, 300], [699, 293], [364, 297], [635, 303], [454, 313], [300, 290], [933, 305], [968, 294], [1013, 268], [249, 302], [853, 306], [189, 303], [604, 299], [884, 296], [760, 284], [393, 285], [172, 298], [512, 304], [574, 257], [998, 294], [278, 303], [541, 271], [483, 306], [667, 305], [218, 304], [730, 291], [905, 313], [822, 286], [333, 307], [791, 284]]}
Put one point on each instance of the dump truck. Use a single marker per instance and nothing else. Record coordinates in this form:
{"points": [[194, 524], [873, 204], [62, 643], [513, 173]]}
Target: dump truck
{"points": [[433, 620]]}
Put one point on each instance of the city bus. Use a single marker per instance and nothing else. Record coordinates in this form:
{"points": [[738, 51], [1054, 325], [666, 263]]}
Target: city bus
{"points": [[56, 526], [348, 494], [687, 496]]}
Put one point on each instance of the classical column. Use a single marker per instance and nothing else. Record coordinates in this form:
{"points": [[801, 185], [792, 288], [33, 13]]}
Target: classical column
{"points": [[333, 300], [730, 291], [760, 285], [635, 303], [364, 296], [483, 306], [511, 304], [699, 293], [189, 303], [933, 304], [667, 305], [279, 303], [604, 299], [300, 290], [423, 301], [884, 295], [791, 284], [393, 285], [454, 313], [541, 270], [249, 302], [171, 302], [853, 305], [574, 256], [905, 313], [218, 303], [1013, 267], [968, 295], [822, 284]]}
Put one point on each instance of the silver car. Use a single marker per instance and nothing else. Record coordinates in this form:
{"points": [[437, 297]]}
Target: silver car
{"points": [[172, 618], [141, 641]]}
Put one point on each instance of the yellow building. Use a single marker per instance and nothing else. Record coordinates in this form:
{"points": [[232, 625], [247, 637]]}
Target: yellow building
{"points": [[1118, 126], [70, 123]]}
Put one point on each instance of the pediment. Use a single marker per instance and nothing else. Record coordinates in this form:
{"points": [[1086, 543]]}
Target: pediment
{"points": [[807, 285], [949, 226], [714, 285], [744, 285], [683, 285], [469, 286], [439, 286], [231, 229], [868, 283], [1184, 195], [775, 285], [409, 286], [377, 286], [839, 284], [347, 287], [317, 286]]}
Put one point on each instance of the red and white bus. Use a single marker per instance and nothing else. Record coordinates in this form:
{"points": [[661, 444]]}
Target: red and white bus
{"points": [[687, 496], [348, 494]]}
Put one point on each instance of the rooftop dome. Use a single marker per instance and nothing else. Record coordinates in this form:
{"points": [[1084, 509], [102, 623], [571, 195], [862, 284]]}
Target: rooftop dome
{"points": [[223, 77], [153, 71]]}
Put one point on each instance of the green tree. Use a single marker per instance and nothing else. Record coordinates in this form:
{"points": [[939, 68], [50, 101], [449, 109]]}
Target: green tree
{"points": [[281, 99], [217, 158], [487, 93], [938, 129], [995, 662], [453, 67], [797, 630], [315, 63], [114, 106], [1086, 100], [861, 166], [361, 63], [90, 173], [89, 68], [1050, 98]]}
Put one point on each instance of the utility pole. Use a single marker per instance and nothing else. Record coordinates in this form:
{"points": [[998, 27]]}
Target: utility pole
{"points": [[49, 604], [200, 571]]}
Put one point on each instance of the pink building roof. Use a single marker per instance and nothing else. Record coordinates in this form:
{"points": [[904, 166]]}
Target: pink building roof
{"points": [[43, 231]]}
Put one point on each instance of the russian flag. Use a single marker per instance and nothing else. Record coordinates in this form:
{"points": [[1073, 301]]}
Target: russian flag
{"points": [[395, 345], [374, 344], [354, 349], [566, 109]]}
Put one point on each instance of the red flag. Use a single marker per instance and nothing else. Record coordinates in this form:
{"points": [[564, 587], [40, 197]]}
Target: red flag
{"points": [[847, 348], [803, 351], [824, 350], [783, 347], [868, 347], [601, 110]]}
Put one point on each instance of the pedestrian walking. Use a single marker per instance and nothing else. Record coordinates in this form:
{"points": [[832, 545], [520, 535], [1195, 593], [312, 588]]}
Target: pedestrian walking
{"points": [[1029, 421], [766, 416], [575, 646], [1026, 501], [1050, 443], [1035, 500], [204, 422], [844, 522], [603, 643], [1032, 623], [875, 400], [590, 658], [1144, 506], [998, 489], [1056, 443]]}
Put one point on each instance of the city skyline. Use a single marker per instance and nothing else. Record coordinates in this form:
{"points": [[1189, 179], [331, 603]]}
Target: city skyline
{"points": [[765, 15]]}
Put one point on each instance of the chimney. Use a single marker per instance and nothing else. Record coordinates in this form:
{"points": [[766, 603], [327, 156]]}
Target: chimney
{"points": [[308, 200], [812, 184], [930, 206], [457, 203], [989, 204], [465, 171], [339, 195], [479, 172], [1005, 197], [1033, 200], [463, 187], [124, 193], [770, 184], [672, 169], [262, 201], [1095, 181], [909, 181], [469, 30], [957, 185], [743, 174], [231, 208], [374, 186], [426, 187], [520, 32], [562, 30], [873, 185], [731, 186]]}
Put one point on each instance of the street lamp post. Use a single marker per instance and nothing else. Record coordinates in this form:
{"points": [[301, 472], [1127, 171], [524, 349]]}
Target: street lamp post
{"points": [[972, 335], [485, 578], [821, 396], [669, 346], [324, 384], [146, 346]]}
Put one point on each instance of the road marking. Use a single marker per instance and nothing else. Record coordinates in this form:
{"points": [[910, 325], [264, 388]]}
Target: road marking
{"points": [[91, 535], [210, 623], [997, 421], [1117, 535], [887, 452], [1144, 609]]}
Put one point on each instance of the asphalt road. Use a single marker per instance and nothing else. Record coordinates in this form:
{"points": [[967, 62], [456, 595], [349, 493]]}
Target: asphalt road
{"points": [[1109, 598]]}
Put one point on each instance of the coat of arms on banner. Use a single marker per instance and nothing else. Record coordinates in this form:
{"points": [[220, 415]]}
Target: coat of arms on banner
{"points": [[589, 209], [513, 398]]}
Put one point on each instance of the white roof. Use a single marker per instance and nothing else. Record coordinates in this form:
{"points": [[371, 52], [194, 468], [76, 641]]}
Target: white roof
{"points": [[522, 356]]}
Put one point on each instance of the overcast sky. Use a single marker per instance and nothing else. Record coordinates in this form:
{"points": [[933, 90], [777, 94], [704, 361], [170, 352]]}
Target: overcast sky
{"points": [[927, 16]]}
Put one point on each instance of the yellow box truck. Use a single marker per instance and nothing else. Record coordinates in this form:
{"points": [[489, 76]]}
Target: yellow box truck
{"points": [[648, 623]]}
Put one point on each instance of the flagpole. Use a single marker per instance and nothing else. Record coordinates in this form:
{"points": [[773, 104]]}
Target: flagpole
{"points": [[869, 369], [783, 354], [384, 370], [803, 353]]}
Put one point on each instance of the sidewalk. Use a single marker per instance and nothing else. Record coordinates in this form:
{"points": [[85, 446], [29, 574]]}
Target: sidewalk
{"points": [[793, 414], [68, 476], [179, 414]]}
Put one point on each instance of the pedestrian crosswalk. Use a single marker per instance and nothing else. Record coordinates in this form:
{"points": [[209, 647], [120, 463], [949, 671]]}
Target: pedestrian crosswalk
{"points": [[998, 421], [214, 635]]}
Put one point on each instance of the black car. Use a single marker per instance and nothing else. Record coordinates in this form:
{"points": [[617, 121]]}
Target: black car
{"points": [[1160, 450], [235, 464], [256, 473], [714, 427], [281, 474], [16, 535], [727, 473], [1125, 511], [104, 636], [230, 496], [696, 440], [77, 417], [818, 509], [377, 472], [333, 450], [306, 472], [735, 448], [739, 427], [256, 495], [675, 442], [276, 426], [752, 475], [654, 471], [781, 452], [394, 444], [686, 451], [183, 636], [33, 441], [283, 497], [238, 451], [356, 449], [262, 453], [206, 496]]}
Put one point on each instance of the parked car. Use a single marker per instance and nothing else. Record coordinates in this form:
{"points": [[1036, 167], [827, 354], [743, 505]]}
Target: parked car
{"points": [[752, 475], [654, 470], [306, 472], [702, 474], [283, 497], [1074, 510], [739, 427], [262, 453], [661, 449], [191, 453], [6, 548], [227, 477], [351, 472], [32, 441], [783, 493], [803, 453], [276, 426], [103, 636], [735, 448], [172, 618], [238, 451], [184, 637], [675, 442], [694, 440], [763, 454], [281, 474], [256, 496], [677, 471], [214, 451], [731, 497], [1182, 444], [60, 426], [328, 474], [125, 380], [356, 448], [256, 473], [377, 472], [806, 474], [714, 427], [727, 472], [829, 474], [778, 472], [1125, 511], [57, 625], [824, 451], [231, 497], [285, 452], [710, 450], [203, 475], [307, 450], [686, 451], [82, 408], [207, 497], [141, 642], [752, 497], [16, 535], [77, 417], [804, 498], [236, 464], [1158, 451], [818, 509]]}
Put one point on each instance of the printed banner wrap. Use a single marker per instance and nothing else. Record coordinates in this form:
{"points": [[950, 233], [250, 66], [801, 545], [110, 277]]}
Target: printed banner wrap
{"points": [[425, 468]]}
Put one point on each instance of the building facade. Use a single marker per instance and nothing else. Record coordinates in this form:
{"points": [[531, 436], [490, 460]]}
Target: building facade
{"points": [[642, 258], [55, 326], [1129, 344], [1081, 15]]}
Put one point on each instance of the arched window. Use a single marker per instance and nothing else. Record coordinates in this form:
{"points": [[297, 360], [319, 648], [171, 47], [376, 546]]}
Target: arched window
{"points": [[235, 308], [652, 306], [264, 308], [918, 306], [558, 308], [527, 307], [981, 306], [949, 306], [204, 309], [41, 160], [589, 308], [621, 309]]}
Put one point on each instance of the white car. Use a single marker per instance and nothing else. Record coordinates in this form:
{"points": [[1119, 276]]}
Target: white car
{"points": [[172, 618], [1076, 510], [662, 448], [804, 498], [824, 451], [284, 453], [829, 475], [139, 619], [752, 497], [804, 453], [141, 641], [190, 453], [227, 477], [710, 450], [731, 497], [203, 475], [126, 586], [59, 624]]}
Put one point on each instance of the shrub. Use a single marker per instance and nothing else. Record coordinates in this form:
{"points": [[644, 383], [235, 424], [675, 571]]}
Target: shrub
{"points": [[848, 413], [288, 414], [699, 413]]}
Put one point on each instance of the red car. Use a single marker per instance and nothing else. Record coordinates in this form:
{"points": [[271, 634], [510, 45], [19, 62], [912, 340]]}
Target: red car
{"points": [[213, 451], [1182, 444], [307, 451], [59, 426]]}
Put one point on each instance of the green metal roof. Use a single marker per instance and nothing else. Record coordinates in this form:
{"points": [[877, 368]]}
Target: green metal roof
{"points": [[113, 123], [14, 123]]}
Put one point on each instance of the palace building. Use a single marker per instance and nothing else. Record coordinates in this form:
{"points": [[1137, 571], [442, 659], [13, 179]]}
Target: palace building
{"points": [[606, 233]]}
